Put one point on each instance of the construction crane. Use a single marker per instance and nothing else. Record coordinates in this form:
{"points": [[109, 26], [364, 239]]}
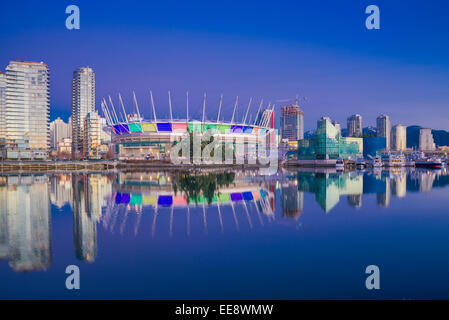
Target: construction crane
{"points": [[297, 100]]}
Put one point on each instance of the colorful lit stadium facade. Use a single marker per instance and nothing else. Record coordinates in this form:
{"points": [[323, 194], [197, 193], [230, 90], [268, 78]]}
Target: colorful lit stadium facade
{"points": [[140, 139]]}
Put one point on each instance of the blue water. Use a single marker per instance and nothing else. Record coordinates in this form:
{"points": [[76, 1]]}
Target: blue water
{"points": [[298, 235]]}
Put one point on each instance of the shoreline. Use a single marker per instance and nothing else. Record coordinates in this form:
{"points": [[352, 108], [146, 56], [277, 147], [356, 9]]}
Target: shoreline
{"points": [[113, 166]]}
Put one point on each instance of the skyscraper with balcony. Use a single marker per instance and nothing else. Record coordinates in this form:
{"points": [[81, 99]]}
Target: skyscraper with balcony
{"points": [[384, 129], [292, 123], [83, 102], [26, 116], [398, 138], [2, 110], [355, 126], [426, 142]]}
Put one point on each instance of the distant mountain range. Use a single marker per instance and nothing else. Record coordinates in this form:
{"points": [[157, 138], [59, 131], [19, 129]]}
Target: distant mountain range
{"points": [[441, 137]]}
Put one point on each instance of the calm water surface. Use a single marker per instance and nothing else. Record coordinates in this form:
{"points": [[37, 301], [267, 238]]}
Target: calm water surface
{"points": [[225, 235]]}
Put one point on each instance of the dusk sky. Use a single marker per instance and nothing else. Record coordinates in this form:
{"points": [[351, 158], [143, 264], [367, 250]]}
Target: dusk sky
{"points": [[264, 49]]}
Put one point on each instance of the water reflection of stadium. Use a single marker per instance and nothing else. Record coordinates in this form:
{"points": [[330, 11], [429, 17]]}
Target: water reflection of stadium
{"points": [[213, 192], [233, 201]]}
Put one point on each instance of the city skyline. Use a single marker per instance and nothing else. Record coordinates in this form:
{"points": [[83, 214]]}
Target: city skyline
{"points": [[334, 62]]}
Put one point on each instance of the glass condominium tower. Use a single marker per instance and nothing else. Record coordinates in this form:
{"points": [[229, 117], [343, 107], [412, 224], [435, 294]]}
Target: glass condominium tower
{"points": [[26, 113], [384, 129], [83, 102], [355, 126]]}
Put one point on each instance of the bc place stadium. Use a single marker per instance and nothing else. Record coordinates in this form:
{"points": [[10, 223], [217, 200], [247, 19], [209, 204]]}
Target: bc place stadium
{"points": [[136, 138]]}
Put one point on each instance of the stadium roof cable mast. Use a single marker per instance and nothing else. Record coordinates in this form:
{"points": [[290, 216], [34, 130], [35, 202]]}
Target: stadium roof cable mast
{"points": [[169, 106], [235, 107], [249, 105], [204, 108], [152, 103], [219, 108], [123, 107], [187, 103], [105, 105], [113, 109], [258, 111], [137, 107], [106, 113]]}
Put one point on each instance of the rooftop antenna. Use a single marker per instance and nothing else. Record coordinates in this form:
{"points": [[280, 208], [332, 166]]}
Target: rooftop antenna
{"points": [[204, 106], [249, 105], [235, 107], [152, 103], [137, 106], [169, 106], [187, 97], [258, 111], [219, 107], [123, 107]]}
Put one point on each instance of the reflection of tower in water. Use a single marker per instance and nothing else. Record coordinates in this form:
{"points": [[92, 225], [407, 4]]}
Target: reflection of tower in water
{"points": [[25, 223], [426, 180], [355, 200], [383, 199], [61, 189], [328, 186], [89, 194], [3, 219], [398, 183], [292, 201]]}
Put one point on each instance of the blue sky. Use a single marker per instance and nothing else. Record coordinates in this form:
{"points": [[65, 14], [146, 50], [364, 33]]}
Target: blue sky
{"points": [[265, 49]]}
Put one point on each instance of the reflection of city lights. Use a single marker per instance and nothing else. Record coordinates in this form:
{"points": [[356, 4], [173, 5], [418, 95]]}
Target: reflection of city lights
{"points": [[112, 200]]}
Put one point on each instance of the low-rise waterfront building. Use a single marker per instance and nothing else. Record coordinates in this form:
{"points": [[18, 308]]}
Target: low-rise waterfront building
{"points": [[329, 145], [373, 146], [65, 146], [59, 130]]}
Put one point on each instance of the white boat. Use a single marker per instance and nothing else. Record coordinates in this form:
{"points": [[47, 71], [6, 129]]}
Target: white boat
{"points": [[393, 160], [340, 164], [429, 163]]}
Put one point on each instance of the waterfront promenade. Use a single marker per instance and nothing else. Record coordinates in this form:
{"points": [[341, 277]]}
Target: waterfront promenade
{"points": [[111, 165]]}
